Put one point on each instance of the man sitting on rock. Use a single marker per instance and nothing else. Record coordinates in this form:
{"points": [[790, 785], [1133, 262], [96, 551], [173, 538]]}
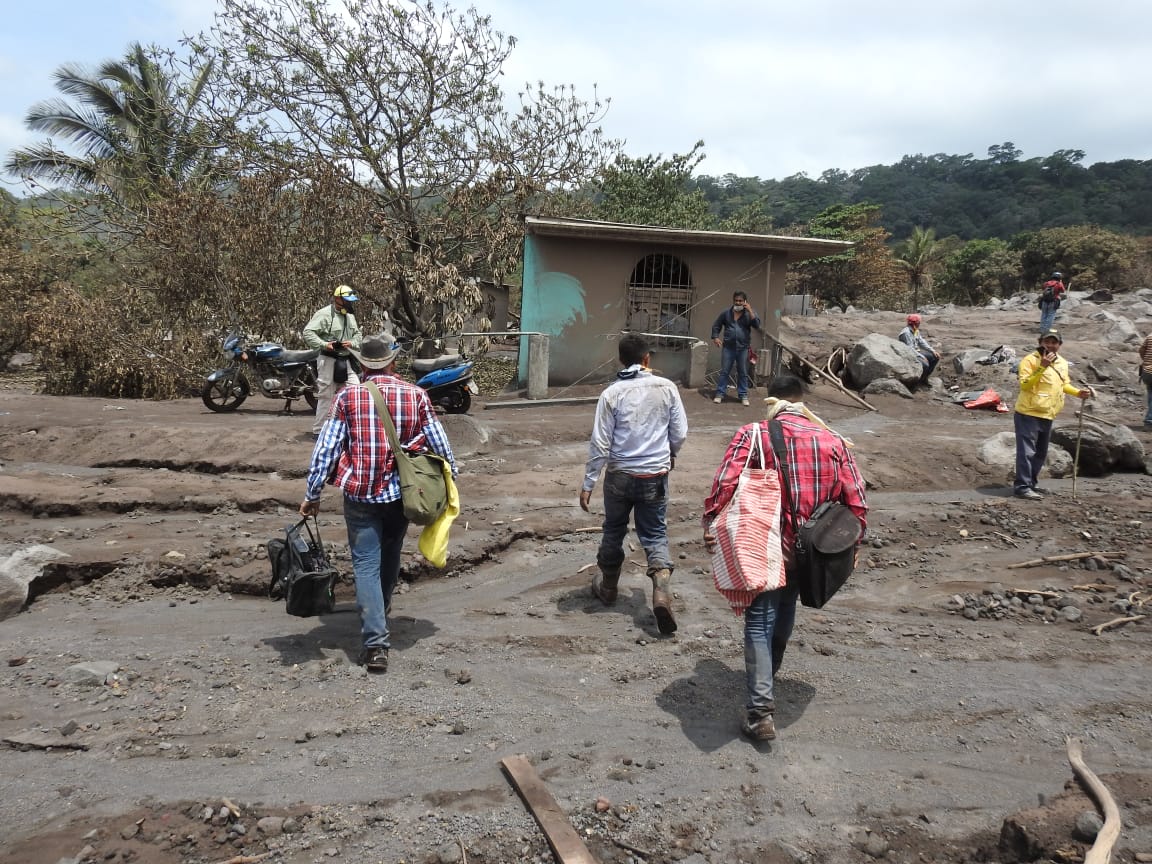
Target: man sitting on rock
{"points": [[911, 337]]}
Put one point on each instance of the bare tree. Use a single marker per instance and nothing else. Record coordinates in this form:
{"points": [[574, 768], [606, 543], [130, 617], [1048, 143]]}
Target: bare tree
{"points": [[406, 98]]}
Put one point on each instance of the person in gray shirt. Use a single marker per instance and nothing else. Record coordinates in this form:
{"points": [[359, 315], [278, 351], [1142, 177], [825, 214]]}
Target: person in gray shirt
{"points": [[639, 428]]}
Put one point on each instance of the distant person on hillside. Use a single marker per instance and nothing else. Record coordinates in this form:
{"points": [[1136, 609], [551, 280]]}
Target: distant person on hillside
{"points": [[732, 331], [1146, 377], [911, 337], [1044, 381], [1050, 297]]}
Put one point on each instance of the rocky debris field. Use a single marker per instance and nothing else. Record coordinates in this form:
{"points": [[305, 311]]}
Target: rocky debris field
{"points": [[158, 708]]}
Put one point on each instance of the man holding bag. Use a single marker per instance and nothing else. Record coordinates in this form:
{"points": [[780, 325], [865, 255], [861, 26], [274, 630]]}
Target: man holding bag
{"points": [[820, 468], [353, 453]]}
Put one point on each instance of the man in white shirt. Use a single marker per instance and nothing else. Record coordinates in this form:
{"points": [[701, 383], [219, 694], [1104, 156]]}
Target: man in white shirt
{"points": [[640, 426]]}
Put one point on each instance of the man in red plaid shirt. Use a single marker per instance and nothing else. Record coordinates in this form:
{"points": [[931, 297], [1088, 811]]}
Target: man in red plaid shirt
{"points": [[820, 468], [352, 452]]}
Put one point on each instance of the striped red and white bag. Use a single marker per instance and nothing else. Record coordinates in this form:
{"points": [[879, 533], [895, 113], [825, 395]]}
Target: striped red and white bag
{"points": [[747, 558]]}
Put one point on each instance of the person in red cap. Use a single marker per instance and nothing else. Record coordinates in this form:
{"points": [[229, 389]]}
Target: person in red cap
{"points": [[911, 337]]}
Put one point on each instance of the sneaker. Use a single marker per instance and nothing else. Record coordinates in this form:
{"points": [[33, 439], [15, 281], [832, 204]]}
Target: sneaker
{"points": [[375, 659], [1030, 495], [745, 401], [717, 399], [1040, 490], [759, 728]]}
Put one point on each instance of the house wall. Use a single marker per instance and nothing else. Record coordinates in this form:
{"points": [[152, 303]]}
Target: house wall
{"points": [[574, 291]]}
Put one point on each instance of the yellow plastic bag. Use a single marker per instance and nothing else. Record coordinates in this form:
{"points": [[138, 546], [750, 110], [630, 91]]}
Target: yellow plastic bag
{"points": [[433, 542]]}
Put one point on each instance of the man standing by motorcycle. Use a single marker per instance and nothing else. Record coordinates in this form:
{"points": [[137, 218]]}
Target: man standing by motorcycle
{"points": [[333, 330]]}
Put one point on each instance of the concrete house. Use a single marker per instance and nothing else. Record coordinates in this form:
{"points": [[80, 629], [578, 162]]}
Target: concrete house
{"points": [[585, 281]]}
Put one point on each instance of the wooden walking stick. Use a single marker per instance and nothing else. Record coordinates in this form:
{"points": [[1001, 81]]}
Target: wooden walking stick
{"points": [[1079, 434], [1076, 458]]}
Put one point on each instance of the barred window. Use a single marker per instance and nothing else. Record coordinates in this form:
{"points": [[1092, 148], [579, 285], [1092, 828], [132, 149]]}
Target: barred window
{"points": [[660, 298]]}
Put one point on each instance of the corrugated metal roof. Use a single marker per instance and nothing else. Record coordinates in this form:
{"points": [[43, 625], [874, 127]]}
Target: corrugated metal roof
{"points": [[796, 248]]}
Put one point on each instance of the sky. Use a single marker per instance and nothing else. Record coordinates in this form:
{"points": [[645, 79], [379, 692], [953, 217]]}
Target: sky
{"points": [[772, 88]]}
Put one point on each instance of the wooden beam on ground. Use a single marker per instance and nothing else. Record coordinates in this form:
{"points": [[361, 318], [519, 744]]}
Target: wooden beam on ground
{"points": [[833, 381], [562, 837], [1075, 556], [1101, 851], [1092, 418], [542, 403]]}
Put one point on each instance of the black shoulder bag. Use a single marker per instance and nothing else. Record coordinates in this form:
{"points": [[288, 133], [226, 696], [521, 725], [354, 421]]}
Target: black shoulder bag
{"points": [[825, 552]]}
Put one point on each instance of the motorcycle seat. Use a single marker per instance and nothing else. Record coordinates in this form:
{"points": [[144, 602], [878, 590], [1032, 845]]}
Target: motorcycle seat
{"points": [[286, 357], [424, 365]]}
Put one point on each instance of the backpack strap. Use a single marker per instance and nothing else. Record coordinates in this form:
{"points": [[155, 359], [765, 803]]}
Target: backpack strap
{"points": [[779, 449]]}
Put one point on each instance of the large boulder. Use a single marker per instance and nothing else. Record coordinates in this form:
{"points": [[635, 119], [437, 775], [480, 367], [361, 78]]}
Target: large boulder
{"points": [[878, 356], [1103, 449], [17, 570], [1000, 451]]}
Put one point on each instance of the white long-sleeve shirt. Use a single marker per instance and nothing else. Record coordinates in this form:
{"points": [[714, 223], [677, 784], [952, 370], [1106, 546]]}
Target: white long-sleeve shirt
{"points": [[640, 425]]}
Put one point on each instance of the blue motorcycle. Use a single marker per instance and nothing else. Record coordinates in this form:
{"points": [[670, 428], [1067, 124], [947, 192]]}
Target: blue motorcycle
{"points": [[287, 375], [448, 381]]}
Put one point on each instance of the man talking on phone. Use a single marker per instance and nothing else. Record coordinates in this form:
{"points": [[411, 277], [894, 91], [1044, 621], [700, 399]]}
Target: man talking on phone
{"points": [[1043, 383]]}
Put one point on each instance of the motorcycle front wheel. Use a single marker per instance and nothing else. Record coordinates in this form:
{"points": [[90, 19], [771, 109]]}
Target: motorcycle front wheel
{"points": [[225, 394]]}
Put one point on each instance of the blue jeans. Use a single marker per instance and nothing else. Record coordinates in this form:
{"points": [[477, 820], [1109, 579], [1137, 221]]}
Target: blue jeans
{"points": [[1047, 316], [767, 628], [1146, 377], [1032, 437], [647, 497], [728, 358], [929, 361], [375, 538]]}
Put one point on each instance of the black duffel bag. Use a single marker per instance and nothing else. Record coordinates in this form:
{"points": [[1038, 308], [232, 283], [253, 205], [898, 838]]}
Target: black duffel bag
{"points": [[301, 571], [826, 552]]}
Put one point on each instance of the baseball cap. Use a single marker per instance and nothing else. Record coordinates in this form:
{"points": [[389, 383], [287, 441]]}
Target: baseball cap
{"points": [[346, 292]]}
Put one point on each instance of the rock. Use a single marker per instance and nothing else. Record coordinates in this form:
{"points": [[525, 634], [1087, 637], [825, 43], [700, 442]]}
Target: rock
{"points": [[18, 571], [877, 356], [92, 674], [1088, 825], [1102, 450], [1071, 614], [966, 360], [1000, 451], [449, 853], [271, 826], [889, 386]]}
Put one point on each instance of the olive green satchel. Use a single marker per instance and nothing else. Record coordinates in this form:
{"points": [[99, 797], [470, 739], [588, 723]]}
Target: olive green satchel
{"points": [[422, 488]]}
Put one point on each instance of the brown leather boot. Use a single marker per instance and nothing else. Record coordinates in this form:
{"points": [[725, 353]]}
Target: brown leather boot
{"points": [[662, 600], [604, 586]]}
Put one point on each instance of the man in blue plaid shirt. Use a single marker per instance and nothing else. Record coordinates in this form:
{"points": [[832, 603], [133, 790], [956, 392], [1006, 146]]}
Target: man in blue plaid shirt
{"points": [[353, 453]]}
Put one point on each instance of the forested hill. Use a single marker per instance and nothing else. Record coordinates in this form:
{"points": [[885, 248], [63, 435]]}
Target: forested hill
{"points": [[1000, 196]]}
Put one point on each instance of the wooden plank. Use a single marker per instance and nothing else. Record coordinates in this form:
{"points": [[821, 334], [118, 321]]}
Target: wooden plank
{"points": [[541, 403], [562, 837]]}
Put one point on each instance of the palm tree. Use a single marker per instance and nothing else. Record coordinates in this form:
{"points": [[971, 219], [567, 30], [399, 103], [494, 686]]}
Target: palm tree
{"points": [[135, 129], [919, 255]]}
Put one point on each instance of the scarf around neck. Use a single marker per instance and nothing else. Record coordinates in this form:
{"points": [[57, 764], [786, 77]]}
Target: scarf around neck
{"points": [[778, 406]]}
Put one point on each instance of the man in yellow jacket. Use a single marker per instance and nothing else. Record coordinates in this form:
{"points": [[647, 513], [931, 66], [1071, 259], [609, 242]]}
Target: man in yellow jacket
{"points": [[1043, 382]]}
